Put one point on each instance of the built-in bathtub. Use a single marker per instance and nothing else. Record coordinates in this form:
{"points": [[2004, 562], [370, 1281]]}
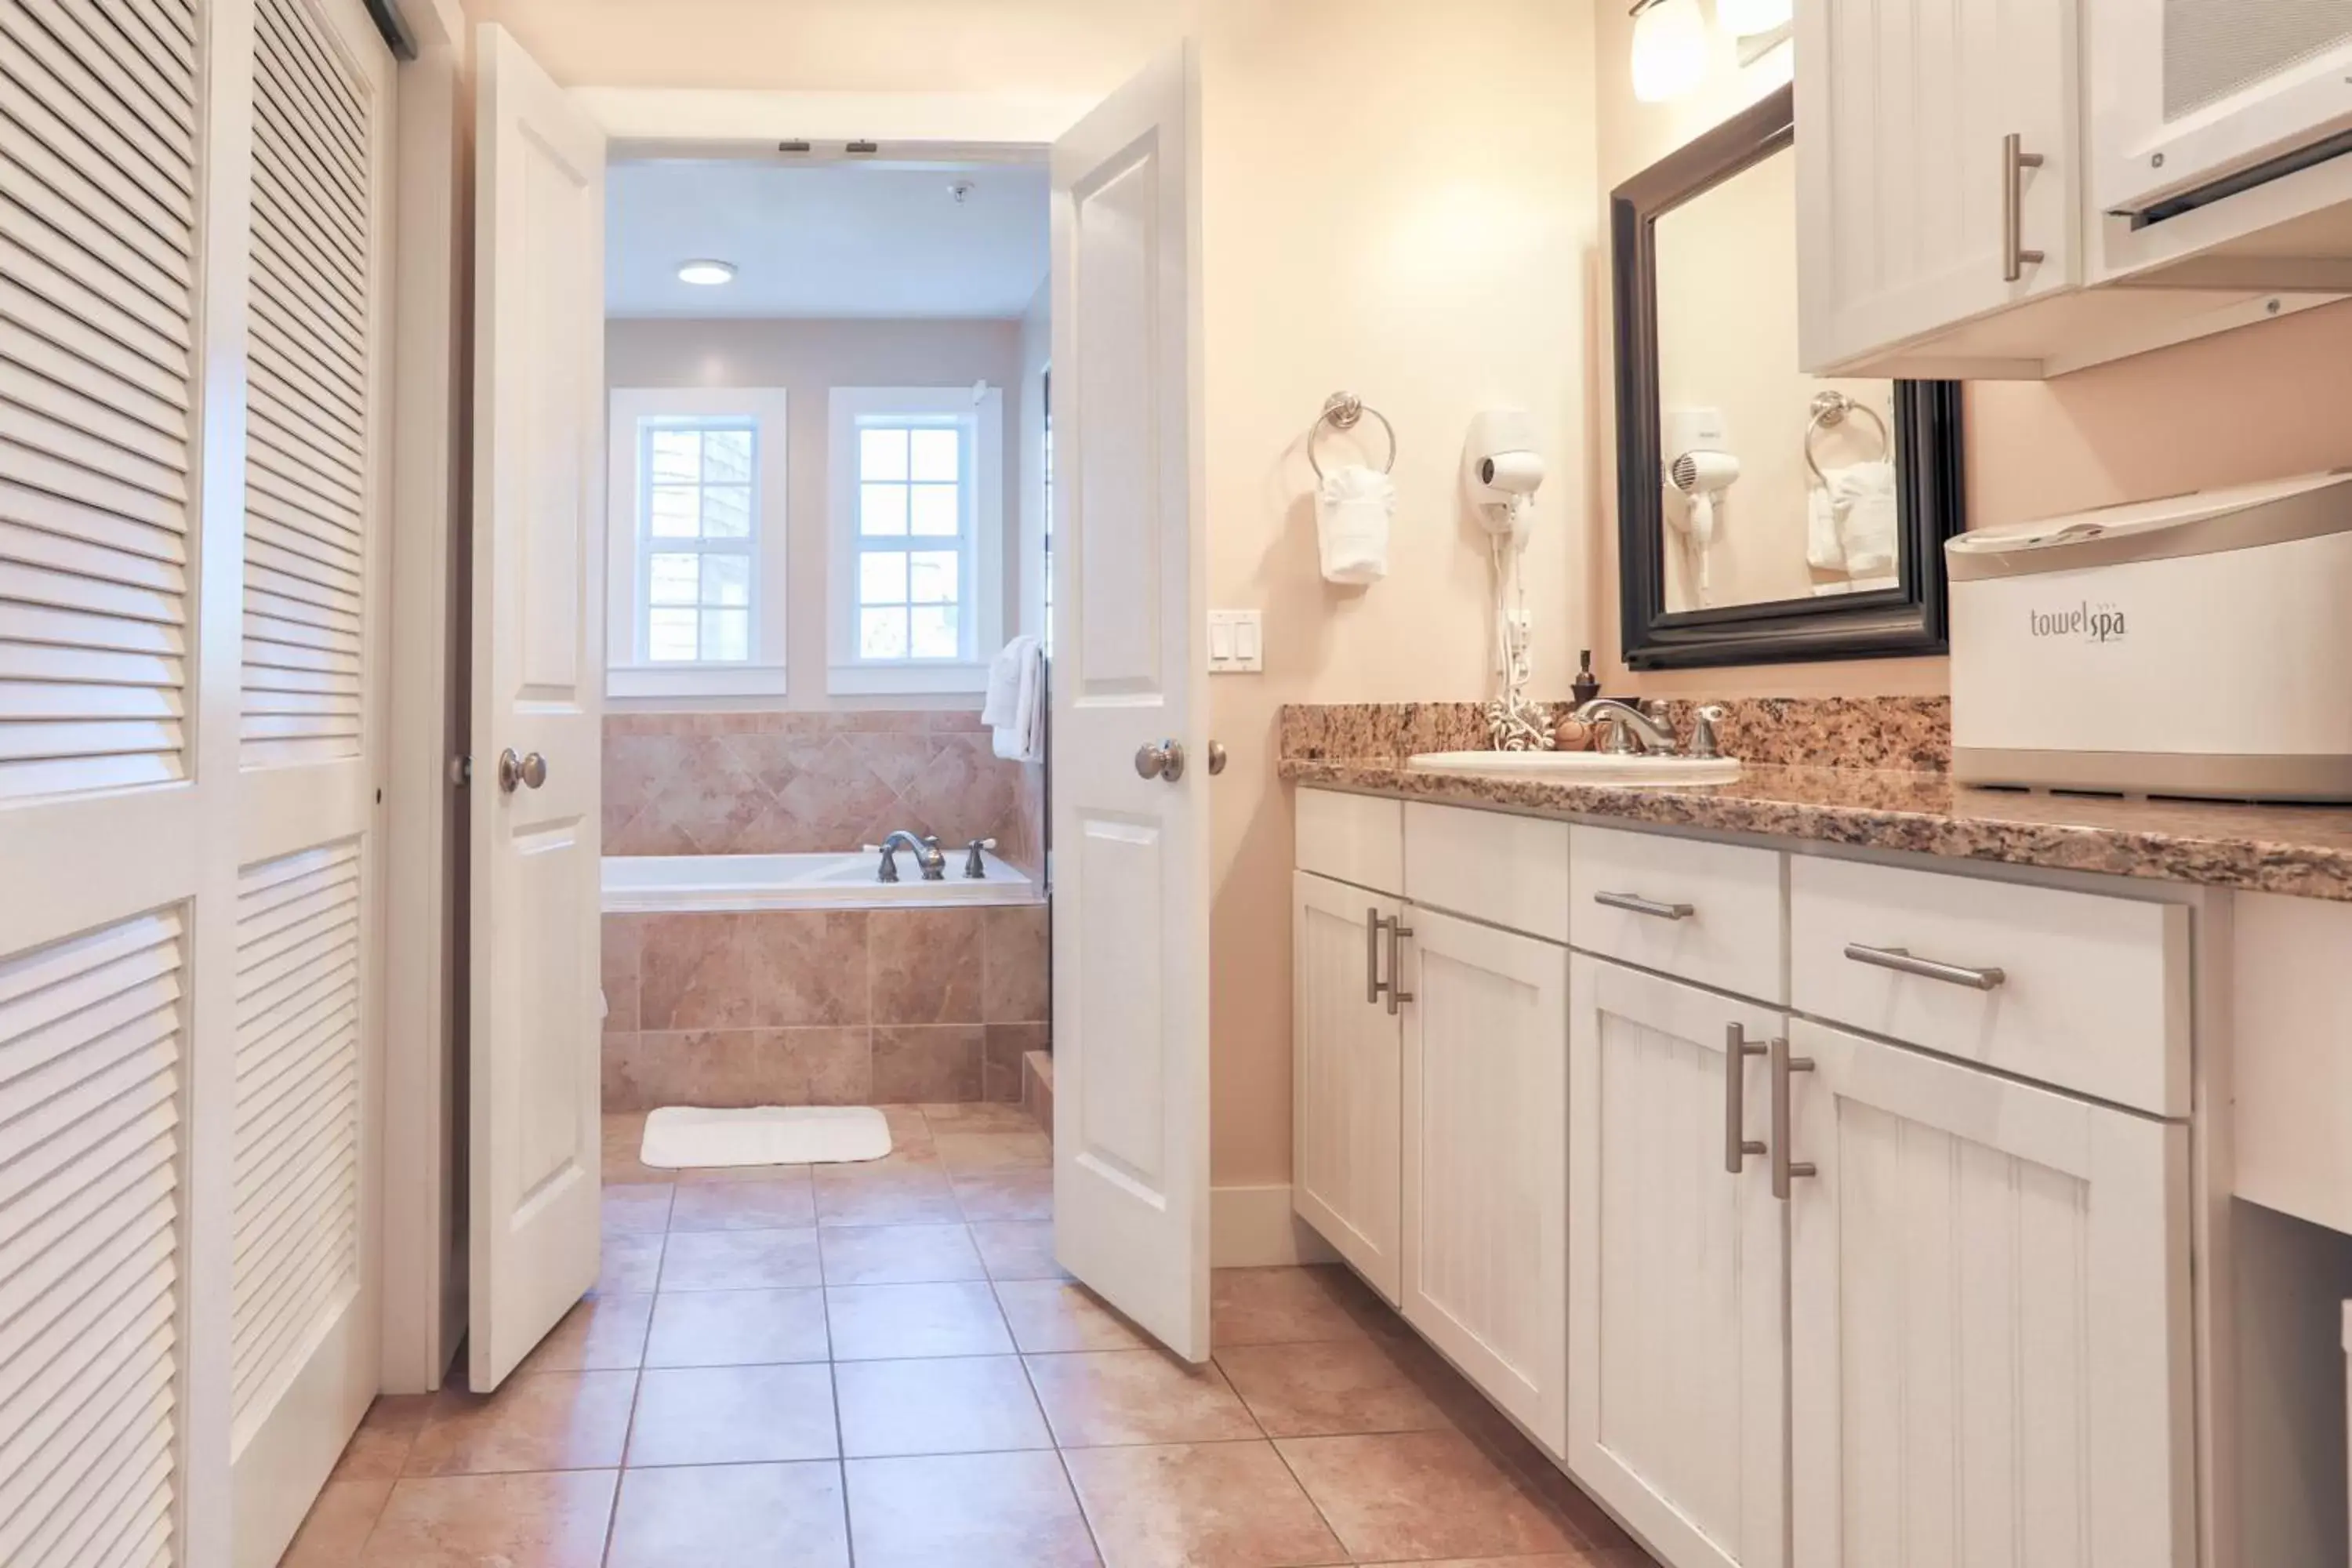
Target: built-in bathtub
{"points": [[646, 884], [804, 979]]}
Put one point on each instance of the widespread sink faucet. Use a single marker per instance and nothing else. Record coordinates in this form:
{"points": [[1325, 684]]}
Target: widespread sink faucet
{"points": [[927, 854], [1633, 730]]}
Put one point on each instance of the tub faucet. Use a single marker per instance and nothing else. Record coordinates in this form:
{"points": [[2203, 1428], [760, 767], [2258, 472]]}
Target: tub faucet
{"points": [[975, 864], [927, 854]]}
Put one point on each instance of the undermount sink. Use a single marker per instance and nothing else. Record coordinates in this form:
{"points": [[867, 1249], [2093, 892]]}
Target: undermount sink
{"points": [[1581, 767]]}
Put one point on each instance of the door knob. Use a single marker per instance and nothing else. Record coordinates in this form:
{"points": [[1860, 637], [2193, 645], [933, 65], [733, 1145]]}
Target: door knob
{"points": [[1216, 758], [1163, 760], [515, 771]]}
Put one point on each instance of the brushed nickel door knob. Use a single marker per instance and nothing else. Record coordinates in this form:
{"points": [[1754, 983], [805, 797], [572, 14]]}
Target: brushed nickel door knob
{"points": [[1163, 760], [515, 771]]}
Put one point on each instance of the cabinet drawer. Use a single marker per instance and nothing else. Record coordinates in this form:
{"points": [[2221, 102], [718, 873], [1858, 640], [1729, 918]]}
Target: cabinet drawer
{"points": [[1707, 912], [2075, 990], [1355, 838], [1510, 871]]}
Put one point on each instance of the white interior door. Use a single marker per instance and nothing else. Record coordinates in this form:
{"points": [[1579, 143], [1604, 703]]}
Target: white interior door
{"points": [[1989, 1318], [1677, 1381], [1132, 932], [305, 1312], [538, 391]]}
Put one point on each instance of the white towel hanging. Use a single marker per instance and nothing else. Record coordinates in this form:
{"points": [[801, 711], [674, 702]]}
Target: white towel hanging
{"points": [[1015, 709]]}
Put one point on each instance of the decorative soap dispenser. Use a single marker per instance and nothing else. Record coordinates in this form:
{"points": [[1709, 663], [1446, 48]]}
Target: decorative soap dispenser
{"points": [[1587, 685]]}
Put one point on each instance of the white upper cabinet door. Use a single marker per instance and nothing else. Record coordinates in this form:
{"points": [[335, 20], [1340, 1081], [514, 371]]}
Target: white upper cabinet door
{"points": [[538, 651], [1485, 1137], [1915, 211], [1130, 738], [1990, 1320], [1676, 1382], [1347, 1174]]}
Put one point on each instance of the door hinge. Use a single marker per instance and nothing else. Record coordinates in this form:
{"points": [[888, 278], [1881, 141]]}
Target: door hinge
{"points": [[461, 770]]}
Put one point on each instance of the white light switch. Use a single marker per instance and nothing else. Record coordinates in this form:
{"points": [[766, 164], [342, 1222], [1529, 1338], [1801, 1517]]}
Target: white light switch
{"points": [[1236, 642]]}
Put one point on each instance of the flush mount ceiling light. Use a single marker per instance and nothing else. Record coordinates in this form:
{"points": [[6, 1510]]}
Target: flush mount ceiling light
{"points": [[708, 273], [1746, 18], [1669, 49]]}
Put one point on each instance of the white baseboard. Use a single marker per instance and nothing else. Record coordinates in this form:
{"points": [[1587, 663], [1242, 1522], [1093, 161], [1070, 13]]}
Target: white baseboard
{"points": [[1253, 1227]]}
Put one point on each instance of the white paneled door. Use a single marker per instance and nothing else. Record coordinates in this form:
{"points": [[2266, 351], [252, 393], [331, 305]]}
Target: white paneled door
{"points": [[538, 520], [1486, 1139], [1347, 1038], [1989, 1301], [1676, 1375], [195, 231], [1130, 757]]}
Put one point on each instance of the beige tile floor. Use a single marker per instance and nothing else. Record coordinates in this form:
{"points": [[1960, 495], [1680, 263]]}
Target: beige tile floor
{"points": [[879, 1365]]}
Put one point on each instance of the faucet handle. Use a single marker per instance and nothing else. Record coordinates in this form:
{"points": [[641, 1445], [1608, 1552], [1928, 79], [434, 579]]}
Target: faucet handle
{"points": [[1705, 742], [975, 865]]}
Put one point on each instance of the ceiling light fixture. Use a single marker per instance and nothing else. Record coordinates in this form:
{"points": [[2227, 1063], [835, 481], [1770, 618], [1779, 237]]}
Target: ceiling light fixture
{"points": [[710, 274], [1669, 49]]}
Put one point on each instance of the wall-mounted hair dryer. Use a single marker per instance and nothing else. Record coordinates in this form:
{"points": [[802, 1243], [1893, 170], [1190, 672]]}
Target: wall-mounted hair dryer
{"points": [[1701, 477], [1502, 470]]}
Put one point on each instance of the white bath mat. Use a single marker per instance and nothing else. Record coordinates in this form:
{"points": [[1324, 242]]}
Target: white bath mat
{"points": [[682, 1138]]}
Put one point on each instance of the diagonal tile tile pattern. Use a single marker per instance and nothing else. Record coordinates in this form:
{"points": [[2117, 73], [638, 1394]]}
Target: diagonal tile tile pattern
{"points": [[881, 1367]]}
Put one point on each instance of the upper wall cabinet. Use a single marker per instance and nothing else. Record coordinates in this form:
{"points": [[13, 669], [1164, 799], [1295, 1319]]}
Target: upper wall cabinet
{"points": [[2012, 189]]}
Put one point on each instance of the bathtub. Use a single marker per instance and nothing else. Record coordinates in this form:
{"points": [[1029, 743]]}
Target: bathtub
{"points": [[644, 884]]}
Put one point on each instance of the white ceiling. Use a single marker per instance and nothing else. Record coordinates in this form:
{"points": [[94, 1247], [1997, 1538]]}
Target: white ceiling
{"points": [[824, 239]]}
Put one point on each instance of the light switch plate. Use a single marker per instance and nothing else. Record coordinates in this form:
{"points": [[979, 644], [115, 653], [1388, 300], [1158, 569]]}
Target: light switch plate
{"points": [[1236, 642]]}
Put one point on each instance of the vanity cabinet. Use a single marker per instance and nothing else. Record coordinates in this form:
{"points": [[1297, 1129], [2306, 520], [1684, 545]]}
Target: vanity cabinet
{"points": [[1346, 1041], [1677, 1330], [1988, 1313], [1486, 1176], [1958, 172]]}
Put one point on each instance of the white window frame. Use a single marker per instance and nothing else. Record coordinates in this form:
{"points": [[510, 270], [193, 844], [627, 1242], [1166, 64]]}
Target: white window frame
{"points": [[981, 415], [628, 673]]}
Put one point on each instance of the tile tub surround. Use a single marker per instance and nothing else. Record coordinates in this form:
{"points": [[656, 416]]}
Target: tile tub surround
{"points": [[1908, 734], [792, 783], [822, 1007]]}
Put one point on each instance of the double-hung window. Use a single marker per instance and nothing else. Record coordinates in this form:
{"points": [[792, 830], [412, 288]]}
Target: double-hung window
{"points": [[696, 558], [918, 549]]}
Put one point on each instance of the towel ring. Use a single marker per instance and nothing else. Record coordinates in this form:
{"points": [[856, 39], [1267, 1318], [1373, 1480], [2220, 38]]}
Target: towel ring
{"points": [[1830, 411], [1344, 411]]}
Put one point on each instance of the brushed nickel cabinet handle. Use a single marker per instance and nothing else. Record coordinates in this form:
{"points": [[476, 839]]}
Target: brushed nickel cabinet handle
{"points": [[2015, 160], [1785, 1171], [1398, 995], [1374, 925], [1900, 961], [1634, 904], [1737, 1145]]}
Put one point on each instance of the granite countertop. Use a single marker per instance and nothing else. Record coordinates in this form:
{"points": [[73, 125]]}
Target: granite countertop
{"points": [[2303, 850]]}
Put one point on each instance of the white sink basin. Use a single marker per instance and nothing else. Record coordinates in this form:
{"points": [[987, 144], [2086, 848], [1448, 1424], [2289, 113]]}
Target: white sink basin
{"points": [[1581, 767]]}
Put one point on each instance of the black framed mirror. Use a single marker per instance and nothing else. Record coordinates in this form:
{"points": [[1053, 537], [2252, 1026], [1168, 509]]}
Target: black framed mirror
{"points": [[1794, 516]]}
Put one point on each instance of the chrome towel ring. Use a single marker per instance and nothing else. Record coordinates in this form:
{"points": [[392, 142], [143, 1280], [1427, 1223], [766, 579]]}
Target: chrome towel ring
{"points": [[1344, 411], [1830, 411]]}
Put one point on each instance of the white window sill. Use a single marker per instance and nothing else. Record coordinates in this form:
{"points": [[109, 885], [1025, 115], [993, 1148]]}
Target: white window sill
{"points": [[695, 680], [904, 679]]}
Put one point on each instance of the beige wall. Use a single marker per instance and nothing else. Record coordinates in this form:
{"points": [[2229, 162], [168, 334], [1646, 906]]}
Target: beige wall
{"points": [[2255, 404], [808, 358], [1400, 201]]}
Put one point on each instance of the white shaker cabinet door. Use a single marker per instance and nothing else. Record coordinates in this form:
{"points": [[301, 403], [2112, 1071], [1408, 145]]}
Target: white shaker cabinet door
{"points": [[1989, 1316], [1347, 1040], [1913, 215], [1485, 1179], [1678, 1382]]}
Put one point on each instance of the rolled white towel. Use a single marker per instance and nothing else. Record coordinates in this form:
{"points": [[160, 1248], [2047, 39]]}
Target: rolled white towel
{"points": [[1869, 521], [1824, 546], [1353, 509], [1013, 709]]}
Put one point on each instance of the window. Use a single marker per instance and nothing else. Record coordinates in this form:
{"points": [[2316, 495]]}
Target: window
{"points": [[918, 518], [696, 597]]}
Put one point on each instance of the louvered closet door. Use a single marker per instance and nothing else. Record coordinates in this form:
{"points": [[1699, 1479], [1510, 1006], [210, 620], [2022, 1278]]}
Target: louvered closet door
{"points": [[121, 283], [303, 1315]]}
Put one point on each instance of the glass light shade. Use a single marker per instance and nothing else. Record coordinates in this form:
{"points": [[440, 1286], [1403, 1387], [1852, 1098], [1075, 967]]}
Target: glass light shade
{"points": [[708, 273], [1669, 51], [1746, 18]]}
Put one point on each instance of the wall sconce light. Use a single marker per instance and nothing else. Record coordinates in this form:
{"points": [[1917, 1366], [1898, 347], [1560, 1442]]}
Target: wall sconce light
{"points": [[1669, 49]]}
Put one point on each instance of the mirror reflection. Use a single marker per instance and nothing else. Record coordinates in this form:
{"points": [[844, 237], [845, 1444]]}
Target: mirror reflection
{"points": [[1775, 485]]}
